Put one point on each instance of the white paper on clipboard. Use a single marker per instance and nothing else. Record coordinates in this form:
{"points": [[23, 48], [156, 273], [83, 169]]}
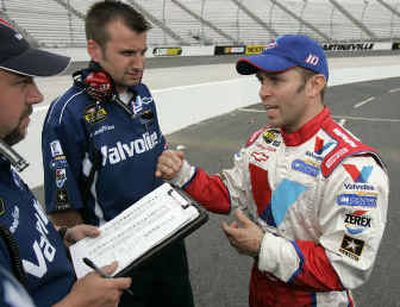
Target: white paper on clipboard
{"points": [[142, 226]]}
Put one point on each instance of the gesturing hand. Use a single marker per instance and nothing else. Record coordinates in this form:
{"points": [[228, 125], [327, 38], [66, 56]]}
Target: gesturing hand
{"points": [[244, 235], [169, 164]]}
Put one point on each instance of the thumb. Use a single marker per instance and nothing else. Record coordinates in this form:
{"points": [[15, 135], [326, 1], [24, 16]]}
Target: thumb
{"points": [[91, 231], [109, 269], [180, 154], [242, 218], [122, 282]]}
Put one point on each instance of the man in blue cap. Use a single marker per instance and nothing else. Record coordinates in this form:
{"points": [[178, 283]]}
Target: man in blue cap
{"points": [[314, 197], [30, 246]]}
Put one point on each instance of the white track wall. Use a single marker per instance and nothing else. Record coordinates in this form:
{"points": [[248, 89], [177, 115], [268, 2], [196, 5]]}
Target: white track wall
{"points": [[182, 106]]}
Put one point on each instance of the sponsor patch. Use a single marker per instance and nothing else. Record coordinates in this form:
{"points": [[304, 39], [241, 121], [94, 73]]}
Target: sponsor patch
{"points": [[357, 222], [56, 149], [2, 207], [266, 147], [56, 163], [147, 100], [357, 175], [351, 247], [94, 114], [320, 146], [123, 151], [61, 177], [137, 104], [306, 168], [314, 156], [336, 156], [355, 200], [358, 187], [259, 156], [103, 129], [62, 199], [270, 137]]}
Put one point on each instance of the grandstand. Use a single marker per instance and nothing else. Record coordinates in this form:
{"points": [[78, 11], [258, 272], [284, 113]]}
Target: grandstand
{"points": [[59, 23]]}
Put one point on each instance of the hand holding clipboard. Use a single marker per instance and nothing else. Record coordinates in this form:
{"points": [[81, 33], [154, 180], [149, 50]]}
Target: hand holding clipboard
{"points": [[147, 226]]}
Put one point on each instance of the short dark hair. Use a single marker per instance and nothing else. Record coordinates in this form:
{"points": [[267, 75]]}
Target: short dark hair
{"points": [[307, 75], [102, 13]]}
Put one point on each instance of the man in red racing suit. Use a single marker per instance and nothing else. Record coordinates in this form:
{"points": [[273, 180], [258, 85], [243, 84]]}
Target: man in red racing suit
{"points": [[313, 198]]}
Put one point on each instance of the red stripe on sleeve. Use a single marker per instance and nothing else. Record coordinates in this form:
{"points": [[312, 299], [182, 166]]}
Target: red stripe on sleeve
{"points": [[209, 191], [317, 273]]}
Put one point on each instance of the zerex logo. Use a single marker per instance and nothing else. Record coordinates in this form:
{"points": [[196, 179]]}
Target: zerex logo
{"points": [[357, 222], [357, 175], [123, 151], [358, 218]]}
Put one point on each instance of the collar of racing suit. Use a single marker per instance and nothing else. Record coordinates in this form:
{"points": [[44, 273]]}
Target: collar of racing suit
{"points": [[307, 131]]}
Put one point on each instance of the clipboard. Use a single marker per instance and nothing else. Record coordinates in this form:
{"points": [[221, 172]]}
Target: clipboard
{"points": [[168, 208], [179, 235]]}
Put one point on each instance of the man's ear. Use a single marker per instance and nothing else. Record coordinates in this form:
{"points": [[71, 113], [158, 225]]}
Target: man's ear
{"points": [[94, 50], [316, 85]]}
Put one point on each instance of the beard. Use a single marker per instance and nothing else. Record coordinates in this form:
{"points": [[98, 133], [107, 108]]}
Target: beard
{"points": [[14, 137], [17, 134]]}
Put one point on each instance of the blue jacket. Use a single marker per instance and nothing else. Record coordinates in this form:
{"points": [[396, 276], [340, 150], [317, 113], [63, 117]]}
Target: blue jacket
{"points": [[49, 273], [80, 133]]}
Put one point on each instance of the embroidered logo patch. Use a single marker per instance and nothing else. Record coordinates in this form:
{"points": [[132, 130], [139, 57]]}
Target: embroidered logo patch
{"points": [[62, 199], [352, 247], [355, 200], [357, 222], [94, 114], [357, 175], [270, 137], [306, 168]]}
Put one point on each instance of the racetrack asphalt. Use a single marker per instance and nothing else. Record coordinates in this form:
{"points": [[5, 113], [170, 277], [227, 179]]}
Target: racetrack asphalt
{"points": [[220, 276]]}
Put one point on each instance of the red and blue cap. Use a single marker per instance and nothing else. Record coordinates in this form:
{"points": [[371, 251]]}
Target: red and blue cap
{"points": [[285, 52], [16, 55]]}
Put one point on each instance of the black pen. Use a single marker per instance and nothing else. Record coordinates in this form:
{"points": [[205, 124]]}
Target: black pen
{"points": [[99, 271]]}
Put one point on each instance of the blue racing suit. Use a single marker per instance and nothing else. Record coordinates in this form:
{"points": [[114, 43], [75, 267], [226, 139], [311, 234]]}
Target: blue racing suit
{"points": [[99, 159], [49, 273]]}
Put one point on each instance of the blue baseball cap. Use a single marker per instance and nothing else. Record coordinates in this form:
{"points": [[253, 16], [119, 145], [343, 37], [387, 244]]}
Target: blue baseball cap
{"points": [[16, 55], [285, 52]]}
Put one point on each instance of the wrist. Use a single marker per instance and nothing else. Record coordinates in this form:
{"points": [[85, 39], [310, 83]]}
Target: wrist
{"points": [[62, 230], [184, 175]]}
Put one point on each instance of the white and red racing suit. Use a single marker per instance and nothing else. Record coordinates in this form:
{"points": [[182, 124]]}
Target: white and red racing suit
{"points": [[321, 197]]}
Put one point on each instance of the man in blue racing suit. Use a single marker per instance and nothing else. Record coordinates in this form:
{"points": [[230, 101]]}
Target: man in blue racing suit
{"points": [[101, 141], [30, 246]]}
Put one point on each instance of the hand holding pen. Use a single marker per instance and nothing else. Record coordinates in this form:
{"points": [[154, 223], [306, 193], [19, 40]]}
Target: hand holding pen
{"points": [[103, 274]]}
